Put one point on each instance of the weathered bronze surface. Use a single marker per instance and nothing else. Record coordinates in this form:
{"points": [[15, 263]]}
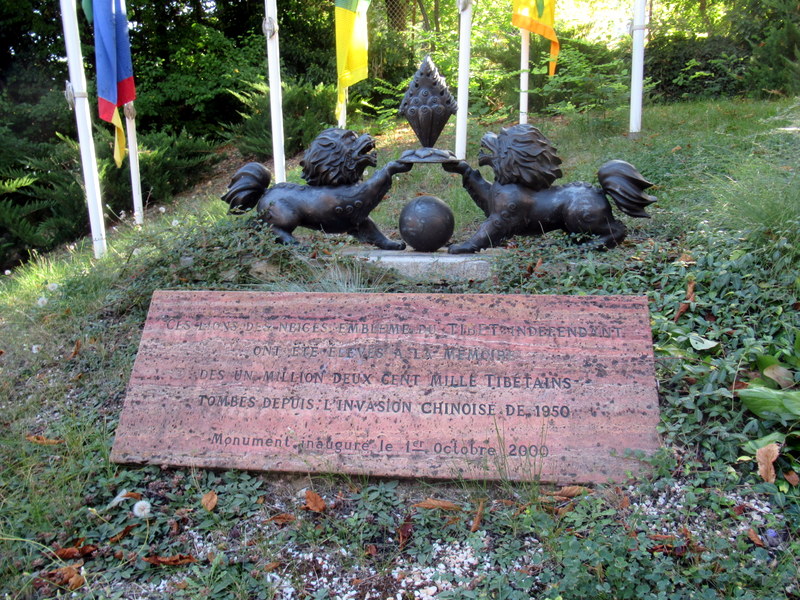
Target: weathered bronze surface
{"points": [[426, 223], [427, 106], [412, 385], [521, 200], [335, 199]]}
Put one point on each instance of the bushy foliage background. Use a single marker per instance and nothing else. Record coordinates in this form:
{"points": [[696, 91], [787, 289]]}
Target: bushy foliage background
{"points": [[200, 70]]}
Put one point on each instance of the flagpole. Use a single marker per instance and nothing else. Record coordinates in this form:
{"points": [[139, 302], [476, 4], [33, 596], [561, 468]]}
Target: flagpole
{"points": [[270, 27], [133, 154], [524, 73], [637, 66], [343, 112], [464, 48], [76, 88]]}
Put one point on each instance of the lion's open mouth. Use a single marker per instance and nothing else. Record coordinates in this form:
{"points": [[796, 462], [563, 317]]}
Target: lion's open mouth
{"points": [[365, 151], [488, 150]]}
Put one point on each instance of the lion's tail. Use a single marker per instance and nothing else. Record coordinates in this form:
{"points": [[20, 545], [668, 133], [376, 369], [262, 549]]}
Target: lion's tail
{"points": [[626, 186], [246, 187]]}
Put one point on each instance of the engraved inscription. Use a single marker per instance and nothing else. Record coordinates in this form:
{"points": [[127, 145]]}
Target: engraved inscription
{"points": [[474, 386]]}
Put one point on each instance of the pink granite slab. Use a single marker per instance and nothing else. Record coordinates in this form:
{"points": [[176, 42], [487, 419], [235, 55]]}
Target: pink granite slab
{"points": [[408, 385]]}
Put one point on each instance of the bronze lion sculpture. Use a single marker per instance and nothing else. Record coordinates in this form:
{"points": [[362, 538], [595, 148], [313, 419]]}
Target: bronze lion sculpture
{"points": [[521, 200], [335, 199]]}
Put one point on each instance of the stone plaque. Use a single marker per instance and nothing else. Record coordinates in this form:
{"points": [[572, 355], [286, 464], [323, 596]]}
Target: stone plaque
{"points": [[429, 385]]}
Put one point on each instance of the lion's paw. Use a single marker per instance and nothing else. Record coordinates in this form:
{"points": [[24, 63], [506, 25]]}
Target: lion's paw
{"points": [[464, 248]]}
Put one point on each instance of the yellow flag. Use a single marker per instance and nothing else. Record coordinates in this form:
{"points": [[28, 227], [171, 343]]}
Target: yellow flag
{"points": [[351, 46], [538, 16], [119, 138]]}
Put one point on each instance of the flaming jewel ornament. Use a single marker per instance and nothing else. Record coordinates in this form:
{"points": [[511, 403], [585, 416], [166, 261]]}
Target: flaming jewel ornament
{"points": [[427, 107]]}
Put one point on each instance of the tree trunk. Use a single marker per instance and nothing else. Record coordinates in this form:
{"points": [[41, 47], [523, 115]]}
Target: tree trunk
{"points": [[426, 22]]}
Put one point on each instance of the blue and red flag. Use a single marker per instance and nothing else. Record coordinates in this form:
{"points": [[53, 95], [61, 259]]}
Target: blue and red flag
{"points": [[112, 48]]}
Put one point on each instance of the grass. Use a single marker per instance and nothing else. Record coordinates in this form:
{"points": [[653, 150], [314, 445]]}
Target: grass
{"points": [[705, 525]]}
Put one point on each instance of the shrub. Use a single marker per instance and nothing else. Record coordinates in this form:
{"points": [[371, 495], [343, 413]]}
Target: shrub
{"points": [[587, 78], [775, 64], [307, 110], [686, 66], [168, 163], [44, 205], [191, 89]]}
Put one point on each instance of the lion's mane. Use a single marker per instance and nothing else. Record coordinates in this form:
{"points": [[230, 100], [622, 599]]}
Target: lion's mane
{"points": [[522, 155], [332, 158]]}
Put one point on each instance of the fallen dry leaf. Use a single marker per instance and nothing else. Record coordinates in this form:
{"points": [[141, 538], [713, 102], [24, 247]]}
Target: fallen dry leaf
{"points": [[404, 532], [553, 499], [780, 375], [560, 512], [792, 478], [76, 551], [506, 502], [282, 519], [209, 500], [132, 495], [372, 549], [571, 491], [43, 441], [740, 508], [314, 502], [66, 576], [755, 538], [115, 538], [476, 522], [765, 457], [170, 561], [433, 503], [522, 508], [690, 297], [269, 567], [75, 350], [75, 581]]}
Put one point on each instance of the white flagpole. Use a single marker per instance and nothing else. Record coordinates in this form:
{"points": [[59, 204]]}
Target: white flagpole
{"points": [[133, 154], [464, 48], [524, 73], [637, 66], [275, 93], [343, 112], [76, 88]]}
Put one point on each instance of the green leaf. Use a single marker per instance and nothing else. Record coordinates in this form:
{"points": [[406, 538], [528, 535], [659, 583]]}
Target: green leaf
{"points": [[767, 403], [701, 343], [765, 361], [774, 437]]}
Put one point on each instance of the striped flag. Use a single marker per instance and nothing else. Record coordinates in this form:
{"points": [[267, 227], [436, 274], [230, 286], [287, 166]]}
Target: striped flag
{"points": [[112, 48], [538, 16], [351, 47]]}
